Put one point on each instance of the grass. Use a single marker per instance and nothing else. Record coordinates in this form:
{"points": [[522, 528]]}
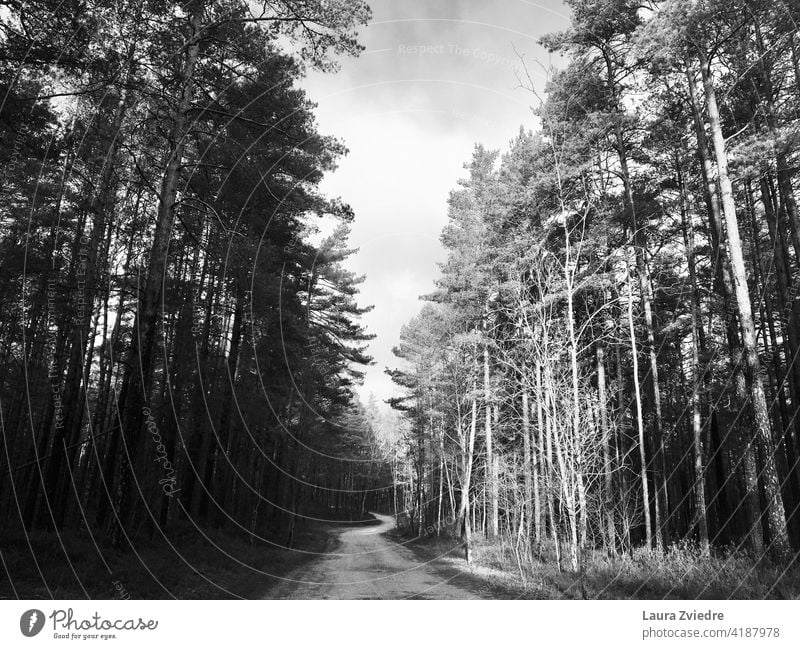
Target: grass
{"points": [[211, 568], [189, 565], [680, 572]]}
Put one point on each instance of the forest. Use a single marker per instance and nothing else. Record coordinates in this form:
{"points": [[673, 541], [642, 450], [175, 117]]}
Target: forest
{"points": [[602, 387], [179, 342], [608, 365]]}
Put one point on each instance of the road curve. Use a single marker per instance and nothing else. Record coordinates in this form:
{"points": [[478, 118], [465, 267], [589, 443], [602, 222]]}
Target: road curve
{"points": [[367, 564]]}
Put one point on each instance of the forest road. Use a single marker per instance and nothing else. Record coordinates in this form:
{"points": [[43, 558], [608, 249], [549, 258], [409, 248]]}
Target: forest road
{"points": [[367, 564]]}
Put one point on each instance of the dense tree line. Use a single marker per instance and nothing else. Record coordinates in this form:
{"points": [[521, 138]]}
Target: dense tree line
{"points": [[176, 341], [610, 358]]}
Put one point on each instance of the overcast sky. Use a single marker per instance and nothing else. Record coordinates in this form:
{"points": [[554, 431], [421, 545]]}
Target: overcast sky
{"points": [[436, 77]]}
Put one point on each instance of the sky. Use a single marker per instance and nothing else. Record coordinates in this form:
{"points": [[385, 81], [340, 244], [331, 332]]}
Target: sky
{"points": [[435, 78]]}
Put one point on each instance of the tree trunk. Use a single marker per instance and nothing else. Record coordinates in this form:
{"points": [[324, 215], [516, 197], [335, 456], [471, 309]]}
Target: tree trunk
{"points": [[608, 484], [646, 296], [466, 471], [527, 462], [701, 521], [639, 417], [763, 434], [493, 527]]}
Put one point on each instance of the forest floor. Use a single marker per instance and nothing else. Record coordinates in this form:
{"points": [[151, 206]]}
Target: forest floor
{"points": [[680, 572], [362, 560], [191, 563]]}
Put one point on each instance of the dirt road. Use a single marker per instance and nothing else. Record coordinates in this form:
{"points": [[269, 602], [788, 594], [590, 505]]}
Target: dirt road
{"points": [[368, 564]]}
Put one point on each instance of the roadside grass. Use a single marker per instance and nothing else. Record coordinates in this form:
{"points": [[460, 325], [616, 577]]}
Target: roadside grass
{"points": [[221, 564], [680, 572], [445, 555], [187, 564]]}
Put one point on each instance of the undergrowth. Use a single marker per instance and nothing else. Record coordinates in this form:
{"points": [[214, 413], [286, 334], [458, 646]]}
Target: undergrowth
{"points": [[679, 572], [186, 564]]}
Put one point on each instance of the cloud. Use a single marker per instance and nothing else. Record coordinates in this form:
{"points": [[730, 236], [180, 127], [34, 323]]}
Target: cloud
{"points": [[436, 77]]}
